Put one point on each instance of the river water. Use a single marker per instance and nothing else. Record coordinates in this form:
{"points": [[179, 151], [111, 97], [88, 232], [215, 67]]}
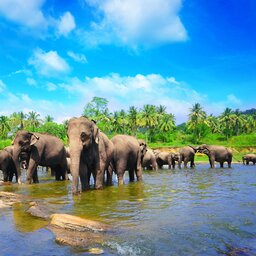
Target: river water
{"points": [[181, 212]]}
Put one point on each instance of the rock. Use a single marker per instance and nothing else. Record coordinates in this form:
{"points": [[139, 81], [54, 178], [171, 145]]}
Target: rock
{"points": [[76, 238], [9, 198], [76, 223], [38, 211]]}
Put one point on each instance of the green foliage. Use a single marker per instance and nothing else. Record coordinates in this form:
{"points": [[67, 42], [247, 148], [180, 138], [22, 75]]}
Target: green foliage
{"points": [[5, 143], [57, 130]]}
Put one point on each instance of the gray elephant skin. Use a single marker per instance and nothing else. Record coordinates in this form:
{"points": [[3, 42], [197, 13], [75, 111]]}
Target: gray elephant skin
{"points": [[149, 160], [90, 152], [249, 158], [7, 164], [186, 155], [45, 150], [164, 158], [128, 155], [219, 154]]}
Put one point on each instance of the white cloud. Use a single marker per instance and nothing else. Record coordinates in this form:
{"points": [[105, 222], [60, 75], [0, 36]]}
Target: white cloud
{"points": [[49, 63], [135, 23], [31, 81], [138, 90], [2, 86], [78, 57], [51, 86], [66, 24], [232, 99], [26, 13]]}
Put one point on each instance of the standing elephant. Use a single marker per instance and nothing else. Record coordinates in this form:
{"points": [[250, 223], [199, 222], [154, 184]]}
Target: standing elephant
{"points": [[90, 153], [45, 150], [249, 158], [149, 160], [219, 154], [164, 158], [7, 164], [128, 155], [187, 154]]}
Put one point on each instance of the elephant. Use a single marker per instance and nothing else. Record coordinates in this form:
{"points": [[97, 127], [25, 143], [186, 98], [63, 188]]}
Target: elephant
{"points": [[149, 160], [164, 158], [45, 150], [187, 154], [219, 154], [7, 164], [90, 153], [128, 155], [249, 158]]}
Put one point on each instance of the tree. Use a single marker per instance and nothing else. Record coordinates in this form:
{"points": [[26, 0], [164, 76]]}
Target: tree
{"points": [[18, 120], [48, 118], [4, 126], [132, 119], [33, 120], [213, 123], [197, 122], [149, 120], [226, 118]]}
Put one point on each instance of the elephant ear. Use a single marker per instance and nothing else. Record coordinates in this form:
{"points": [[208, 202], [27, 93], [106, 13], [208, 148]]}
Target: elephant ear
{"points": [[33, 139], [96, 135]]}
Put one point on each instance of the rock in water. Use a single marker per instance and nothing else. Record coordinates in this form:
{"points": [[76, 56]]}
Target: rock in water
{"points": [[7, 199], [38, 211], [76, 223]]}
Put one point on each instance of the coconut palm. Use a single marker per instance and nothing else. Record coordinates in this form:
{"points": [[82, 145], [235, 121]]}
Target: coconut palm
{"points": [[226, 118], [48, 119], [33, 120], [133, 120], [18, 120], [4, 126], [213, 123], [197, 122]]}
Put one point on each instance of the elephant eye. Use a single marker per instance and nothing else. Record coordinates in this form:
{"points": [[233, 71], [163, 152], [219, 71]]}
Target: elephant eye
{"points": [[83, 136]]}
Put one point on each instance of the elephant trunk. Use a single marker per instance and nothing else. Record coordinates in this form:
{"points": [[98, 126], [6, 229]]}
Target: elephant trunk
{"points": [[16, 153], [75, 157]]}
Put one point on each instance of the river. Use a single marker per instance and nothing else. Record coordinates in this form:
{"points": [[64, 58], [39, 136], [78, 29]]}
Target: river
{"points": [[180, 212]]}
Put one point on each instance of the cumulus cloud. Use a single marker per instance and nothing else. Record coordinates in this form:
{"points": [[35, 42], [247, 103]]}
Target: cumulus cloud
{"points": [[49, 63], [135, 23], [125, 91], [78, 57], [27, 13], [66, 24], [2, 86]]}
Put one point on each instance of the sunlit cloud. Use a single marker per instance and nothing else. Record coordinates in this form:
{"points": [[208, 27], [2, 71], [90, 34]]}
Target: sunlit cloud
{"points": [[66, 24], [135, 23], [27, 13], [49, 63]]}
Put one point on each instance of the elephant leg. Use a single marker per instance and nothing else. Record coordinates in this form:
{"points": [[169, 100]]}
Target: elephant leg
{"points": [[192, 164], [31, 169], [35, 177], [229, 164], [247, 162], [131, 175], [6, 176], [212, 160], [84, 177], [179, 164], [139, 173], [221, 164], [185, 163]]}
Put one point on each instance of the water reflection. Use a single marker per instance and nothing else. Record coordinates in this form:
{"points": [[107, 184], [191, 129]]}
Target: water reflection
{"points": [[180, 212]]}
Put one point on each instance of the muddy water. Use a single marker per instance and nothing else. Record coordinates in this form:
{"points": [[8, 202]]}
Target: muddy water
{"points": [[199, 212]]}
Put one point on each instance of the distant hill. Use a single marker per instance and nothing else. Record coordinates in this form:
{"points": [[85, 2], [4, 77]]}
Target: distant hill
{"points": [[249, 111]]}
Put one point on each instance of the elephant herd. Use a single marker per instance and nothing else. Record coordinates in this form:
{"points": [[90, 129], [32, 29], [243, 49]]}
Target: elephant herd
{"points": [[92, 153]]}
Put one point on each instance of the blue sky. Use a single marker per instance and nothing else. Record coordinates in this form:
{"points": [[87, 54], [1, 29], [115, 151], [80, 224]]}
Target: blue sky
{"points": [[57, 55]]}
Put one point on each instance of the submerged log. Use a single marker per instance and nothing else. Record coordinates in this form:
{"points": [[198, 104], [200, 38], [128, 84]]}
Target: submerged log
{"points": [[76, 223]]}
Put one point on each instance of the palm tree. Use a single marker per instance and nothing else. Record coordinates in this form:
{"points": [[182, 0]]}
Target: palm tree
{"points": [[119, 122], [197, 121], [226, 118], [33, 119], [48, 119], [213, 123], [238, 121], [167, 123], [132, 119], [18, 120], [4, 126], [149, 118]]}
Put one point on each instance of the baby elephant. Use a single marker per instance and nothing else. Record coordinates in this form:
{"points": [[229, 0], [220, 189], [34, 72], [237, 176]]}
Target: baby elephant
{"points": [[249, 158]]}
